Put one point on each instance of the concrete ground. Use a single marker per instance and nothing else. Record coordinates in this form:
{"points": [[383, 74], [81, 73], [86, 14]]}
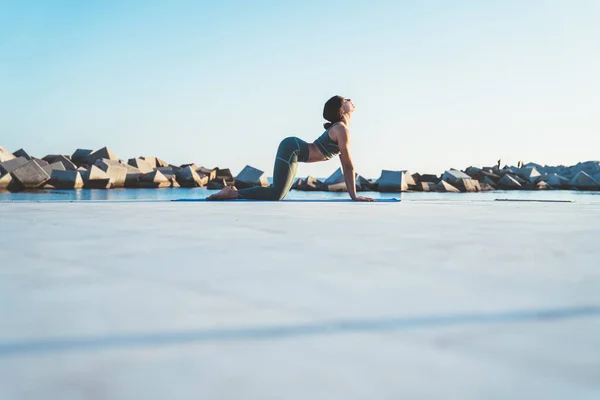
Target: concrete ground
{"points": [[419, 299]]}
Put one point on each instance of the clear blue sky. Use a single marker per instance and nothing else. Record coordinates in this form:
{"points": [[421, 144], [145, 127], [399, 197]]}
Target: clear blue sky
{"points": [[437, 84]]}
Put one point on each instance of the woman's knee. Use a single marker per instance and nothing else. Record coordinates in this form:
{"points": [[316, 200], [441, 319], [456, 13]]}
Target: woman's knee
{"points": [[289, 144], [289, 140]]}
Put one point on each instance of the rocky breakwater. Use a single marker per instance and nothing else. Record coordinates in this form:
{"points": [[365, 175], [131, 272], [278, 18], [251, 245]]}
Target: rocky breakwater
{"points": [[582, 176], [102, 169]]}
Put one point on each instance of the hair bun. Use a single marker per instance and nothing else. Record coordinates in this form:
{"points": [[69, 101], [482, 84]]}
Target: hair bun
{"points": [[332, 111]]}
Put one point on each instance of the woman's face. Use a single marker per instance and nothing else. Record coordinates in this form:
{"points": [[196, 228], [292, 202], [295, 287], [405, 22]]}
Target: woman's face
{"points": [[347, 106]]}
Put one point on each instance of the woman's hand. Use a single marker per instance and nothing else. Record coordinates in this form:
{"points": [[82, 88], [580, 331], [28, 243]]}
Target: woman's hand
{"points": [[361, 198]]}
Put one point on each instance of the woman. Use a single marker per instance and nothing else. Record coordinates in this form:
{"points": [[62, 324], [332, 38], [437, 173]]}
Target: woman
{"points": [[292, 150]]}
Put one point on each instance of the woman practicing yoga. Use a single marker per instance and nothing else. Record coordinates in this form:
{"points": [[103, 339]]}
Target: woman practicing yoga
{"points": [[292, 150]]}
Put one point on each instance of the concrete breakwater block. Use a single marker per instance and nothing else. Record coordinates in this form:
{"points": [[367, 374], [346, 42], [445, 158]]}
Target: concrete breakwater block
{"points": [[168, 172], [95, 178], [188, 177], [337, 183], [467, 185], [530, 174], [453, 176], [225, 174], [22, 153], [210, 173], [539, 167], [67, 163], [338, 187], [410, 181], [441, 186], [155, 162], [561, 170], [116, 171], [310, 184], [336, 177], [583, 181], [40, 162], [589, 167], [473, 172], [133, 176], [29, 176], [541, 185], [487, 181], [430, 178], [102, 163], [427, 186], [486, 187], [249, 177], [9, 166], [161, 163], [154, 179], [67, 179], [54, 166], [444, 186], [142, 165], [509, 182], [174, 183], [103, 153], [5, 155], [554, 180], [493, 177], [193, 165], [365, 185], [419, 178], [463, 181], [5, 181], [151, 161], [205, 178], [80, 157], [216, 184], [50, 158], [392, 181], [509, 170]]}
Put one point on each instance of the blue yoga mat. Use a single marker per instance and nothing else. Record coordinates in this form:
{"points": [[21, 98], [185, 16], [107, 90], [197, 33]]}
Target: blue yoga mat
{"points": [[392, 200]]}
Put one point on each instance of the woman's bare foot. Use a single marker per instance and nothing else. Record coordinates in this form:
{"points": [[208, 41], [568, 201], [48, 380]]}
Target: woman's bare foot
{"points": [[227, 193]]}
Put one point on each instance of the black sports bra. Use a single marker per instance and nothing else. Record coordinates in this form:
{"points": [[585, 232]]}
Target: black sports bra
{"points": [[328, 147]]}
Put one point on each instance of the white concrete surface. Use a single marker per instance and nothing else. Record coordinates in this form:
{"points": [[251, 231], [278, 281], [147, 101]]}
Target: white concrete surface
{"points": [[481, 300]]}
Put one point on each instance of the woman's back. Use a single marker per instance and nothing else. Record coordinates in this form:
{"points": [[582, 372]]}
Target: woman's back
{"points": [[327, 145]]}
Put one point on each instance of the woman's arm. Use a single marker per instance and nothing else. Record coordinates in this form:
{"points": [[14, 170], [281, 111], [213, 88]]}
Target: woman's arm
{"points": [[343, 140]]}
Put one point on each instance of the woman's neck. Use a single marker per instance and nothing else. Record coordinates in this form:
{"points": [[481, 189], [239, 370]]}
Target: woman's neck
{"points": [[346, 119]]}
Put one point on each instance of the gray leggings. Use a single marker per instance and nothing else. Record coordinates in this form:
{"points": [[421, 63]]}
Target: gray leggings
{"points": [[291, 151]]}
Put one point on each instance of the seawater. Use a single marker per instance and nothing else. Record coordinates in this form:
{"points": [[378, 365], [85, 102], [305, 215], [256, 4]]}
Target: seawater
{"points": [[167, 194]]}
